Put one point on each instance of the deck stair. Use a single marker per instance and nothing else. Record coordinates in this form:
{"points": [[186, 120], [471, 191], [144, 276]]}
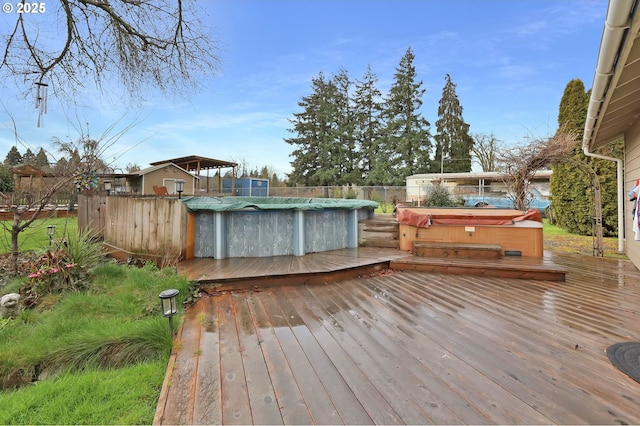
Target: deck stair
{"points": [[504, 267], [379, 231], [456, 250]]}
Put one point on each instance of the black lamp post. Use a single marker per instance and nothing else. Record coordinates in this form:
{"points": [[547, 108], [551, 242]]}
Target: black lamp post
{"points": [[51, 230], [179, 187], [169, 306], [107, 186]]}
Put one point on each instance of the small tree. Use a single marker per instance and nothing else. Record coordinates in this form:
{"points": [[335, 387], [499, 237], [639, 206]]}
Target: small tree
{"points": [[525, 160], [85, 158], [438, 196]]}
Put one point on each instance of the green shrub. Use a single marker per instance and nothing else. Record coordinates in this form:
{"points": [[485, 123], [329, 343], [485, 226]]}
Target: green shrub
{"points": [[351, 194], [438, 196]]}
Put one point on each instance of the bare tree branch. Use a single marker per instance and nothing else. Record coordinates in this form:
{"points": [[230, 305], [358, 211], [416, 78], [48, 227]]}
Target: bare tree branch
{"points": [[144, 43], [522, 162], [485, 150]]}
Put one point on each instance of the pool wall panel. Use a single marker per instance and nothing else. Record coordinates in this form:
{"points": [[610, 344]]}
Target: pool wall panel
{"points": [[325, 230], [259, 233], [262, 233]]}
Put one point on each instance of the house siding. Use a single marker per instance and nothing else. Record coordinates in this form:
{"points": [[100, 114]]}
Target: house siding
{"points": [[632, 173], [159, 177]]}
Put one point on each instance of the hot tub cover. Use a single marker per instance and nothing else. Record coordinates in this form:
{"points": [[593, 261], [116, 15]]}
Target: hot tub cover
{"points": [[408, 217], [195, 204]]}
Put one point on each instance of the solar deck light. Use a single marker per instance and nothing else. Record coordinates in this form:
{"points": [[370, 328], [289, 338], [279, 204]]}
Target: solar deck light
{"points": [[179, 187], [168, 305], [51, 230], [107, 186]]}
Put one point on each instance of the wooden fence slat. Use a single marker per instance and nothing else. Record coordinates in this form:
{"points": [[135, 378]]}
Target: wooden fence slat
{"points": [[143, 226]]}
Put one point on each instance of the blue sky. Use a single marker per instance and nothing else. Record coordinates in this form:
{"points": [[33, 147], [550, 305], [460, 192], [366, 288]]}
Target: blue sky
{"points": [[511, 61]]}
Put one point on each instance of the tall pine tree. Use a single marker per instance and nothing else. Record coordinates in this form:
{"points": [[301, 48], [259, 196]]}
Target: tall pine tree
{"points": [[453, 142], [29, 158], [13, 157], [406, 134], [367, 110], [41, 160], [346, 155], [314, 129]]}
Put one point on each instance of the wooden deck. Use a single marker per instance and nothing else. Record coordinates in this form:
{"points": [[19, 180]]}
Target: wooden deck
{"points": [[411, 347], [314, 268], [503, 267]]}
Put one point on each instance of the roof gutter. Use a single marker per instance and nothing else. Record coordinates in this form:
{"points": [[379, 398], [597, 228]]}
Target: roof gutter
{"points": [[614, 36]]}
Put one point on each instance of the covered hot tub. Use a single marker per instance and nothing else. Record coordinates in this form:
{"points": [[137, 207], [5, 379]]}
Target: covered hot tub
{"points": [[222, 227], [517, 232]]}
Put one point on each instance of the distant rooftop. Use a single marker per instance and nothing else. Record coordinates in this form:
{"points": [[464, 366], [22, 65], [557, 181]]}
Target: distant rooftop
{"points": [[197, 163]]}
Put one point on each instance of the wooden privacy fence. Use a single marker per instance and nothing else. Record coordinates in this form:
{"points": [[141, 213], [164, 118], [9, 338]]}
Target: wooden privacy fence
{"points": [[139, 226]]}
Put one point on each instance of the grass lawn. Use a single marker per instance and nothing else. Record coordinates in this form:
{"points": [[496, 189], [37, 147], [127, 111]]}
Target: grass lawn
{"points": [[96, 356], [35, 237], [558, 240]]}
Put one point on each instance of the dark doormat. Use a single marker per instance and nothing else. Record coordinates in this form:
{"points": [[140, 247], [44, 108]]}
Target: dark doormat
{"points": [[626, 357]]}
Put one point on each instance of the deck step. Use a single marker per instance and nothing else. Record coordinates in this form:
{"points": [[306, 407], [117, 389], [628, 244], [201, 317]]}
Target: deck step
{"points": [[525, 268], [379, 231], [456, 250]]}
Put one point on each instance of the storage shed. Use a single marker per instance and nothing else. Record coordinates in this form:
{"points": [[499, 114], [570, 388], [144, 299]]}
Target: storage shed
{"points": [[246, 187]]}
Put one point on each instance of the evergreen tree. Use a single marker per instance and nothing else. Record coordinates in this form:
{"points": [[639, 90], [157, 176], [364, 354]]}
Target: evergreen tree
{"points": [[29, 158], [572, 193], [367, 110], [346, 155], [6, 179], [453, 142], [571, 201], [41, 160], [314, 128], [13, 157], [406, 133], [61, 167]]}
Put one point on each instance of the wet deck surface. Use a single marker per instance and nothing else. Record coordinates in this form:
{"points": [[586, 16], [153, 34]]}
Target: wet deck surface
{"points": [[414, 348], [207, 270]]}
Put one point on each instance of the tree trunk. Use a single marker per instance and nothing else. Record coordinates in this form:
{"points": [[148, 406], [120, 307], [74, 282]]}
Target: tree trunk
{"points": [[15, 231]]}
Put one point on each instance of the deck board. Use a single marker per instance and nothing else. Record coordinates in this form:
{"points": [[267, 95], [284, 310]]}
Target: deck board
{"points": [[409, 347], [286, 389], [207, 406]]}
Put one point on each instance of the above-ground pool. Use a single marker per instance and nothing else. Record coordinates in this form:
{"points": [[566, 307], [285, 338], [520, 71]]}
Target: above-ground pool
{"points": [[271, 226]]}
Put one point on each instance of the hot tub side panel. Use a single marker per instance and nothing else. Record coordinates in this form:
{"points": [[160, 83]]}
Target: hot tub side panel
{"points": [[524, 239]]}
